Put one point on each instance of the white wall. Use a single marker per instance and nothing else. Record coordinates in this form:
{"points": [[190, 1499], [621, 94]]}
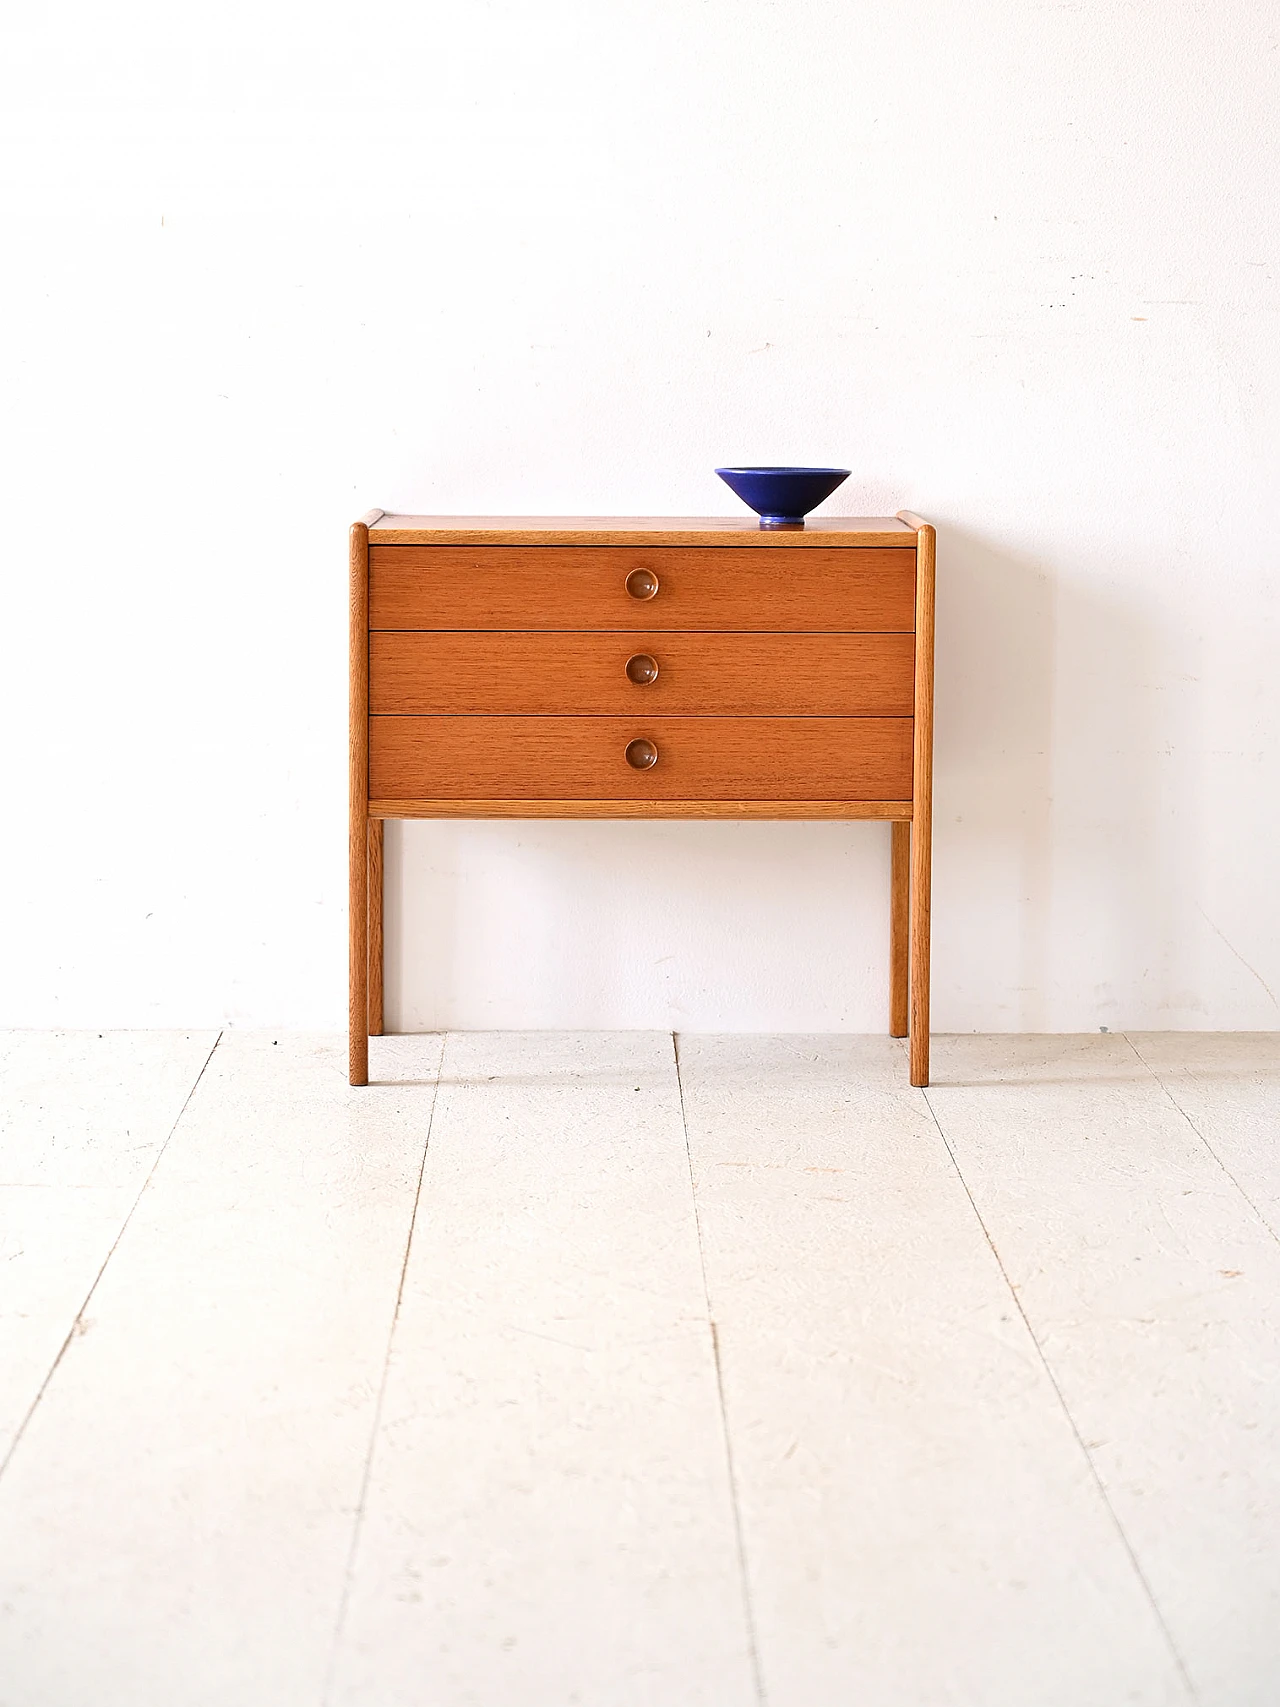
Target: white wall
{"points": [[269, 265]]}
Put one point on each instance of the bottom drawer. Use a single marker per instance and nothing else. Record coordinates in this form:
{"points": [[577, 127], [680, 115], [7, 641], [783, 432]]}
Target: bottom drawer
{"points": [[590, 758]]}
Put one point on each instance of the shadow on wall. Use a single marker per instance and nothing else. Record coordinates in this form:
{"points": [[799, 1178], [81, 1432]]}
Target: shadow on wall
{"points": [[1066, 835], [1057, 855], [701, 926]]}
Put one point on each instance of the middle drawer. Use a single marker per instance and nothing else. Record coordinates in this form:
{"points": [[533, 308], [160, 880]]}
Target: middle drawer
{"points": [[434, 672]]}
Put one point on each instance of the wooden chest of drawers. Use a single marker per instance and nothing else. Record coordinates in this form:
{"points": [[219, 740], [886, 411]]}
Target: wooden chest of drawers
{"points": [[636, 668]]}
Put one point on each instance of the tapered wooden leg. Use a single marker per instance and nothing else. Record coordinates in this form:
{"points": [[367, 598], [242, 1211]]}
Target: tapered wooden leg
{"points": [[899, 912], [358, 850], [375, 927], [358, 918], [921, 874], [922, 795]]}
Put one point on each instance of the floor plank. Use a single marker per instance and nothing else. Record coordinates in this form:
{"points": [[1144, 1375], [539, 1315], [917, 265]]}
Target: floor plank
{"points": [[83, 1116], [175, 1524], [1152, 1287], [548, 1511], [549, 1519], [921, 1524], [1228, 1086], [92, 1108], [53, 1241]]}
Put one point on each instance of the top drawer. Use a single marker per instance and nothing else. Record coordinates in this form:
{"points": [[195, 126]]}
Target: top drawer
{"points": [[847, 589]]}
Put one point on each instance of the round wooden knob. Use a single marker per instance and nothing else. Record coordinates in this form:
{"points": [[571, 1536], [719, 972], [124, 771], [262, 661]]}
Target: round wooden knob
{"points": [[642, 669], [642, 755], [642, 583]]}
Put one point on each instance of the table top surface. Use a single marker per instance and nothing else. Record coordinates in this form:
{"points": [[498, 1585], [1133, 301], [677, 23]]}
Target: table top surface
{"points": [[634, 530]]}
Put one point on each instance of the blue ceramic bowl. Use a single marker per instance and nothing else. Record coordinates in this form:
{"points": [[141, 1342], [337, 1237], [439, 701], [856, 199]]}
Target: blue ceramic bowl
{"points": [[783, 497]]}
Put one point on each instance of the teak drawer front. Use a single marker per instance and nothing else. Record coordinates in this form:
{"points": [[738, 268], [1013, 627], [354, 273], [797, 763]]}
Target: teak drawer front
{"points": [[726, 675], [551, 586], [585, 758]]}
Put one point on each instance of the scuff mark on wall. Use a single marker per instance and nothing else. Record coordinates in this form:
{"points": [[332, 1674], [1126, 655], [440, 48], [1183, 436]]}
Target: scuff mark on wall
{"points": [[1240, 957]]}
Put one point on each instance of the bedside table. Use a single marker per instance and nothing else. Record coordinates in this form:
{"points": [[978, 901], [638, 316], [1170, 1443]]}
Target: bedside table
{"points": [[593, 667]]}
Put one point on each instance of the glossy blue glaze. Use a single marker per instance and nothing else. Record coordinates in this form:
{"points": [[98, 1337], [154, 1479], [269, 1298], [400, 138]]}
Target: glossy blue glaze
{"points": [[782, 497]]}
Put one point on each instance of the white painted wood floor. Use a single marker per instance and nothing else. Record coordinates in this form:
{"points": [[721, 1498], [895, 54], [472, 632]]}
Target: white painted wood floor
{"points": [[554, 1369]]}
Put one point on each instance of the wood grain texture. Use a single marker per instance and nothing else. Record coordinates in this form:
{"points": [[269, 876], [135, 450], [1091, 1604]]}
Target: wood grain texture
{"points": [[583, 587], [725, 675], [358, 824], [899, 926], [492, 653], [922, 800], [565, 758], [877, 810], [375, 927], [656, 530]]}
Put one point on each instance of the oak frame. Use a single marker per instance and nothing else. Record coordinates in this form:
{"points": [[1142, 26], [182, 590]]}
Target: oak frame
{"points": [[911, 822]]}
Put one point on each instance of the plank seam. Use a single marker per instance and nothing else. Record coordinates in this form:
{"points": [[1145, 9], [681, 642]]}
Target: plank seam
{"points": [[1066, 1411], [357, 1526], [88, 1297], [1200, 1135], [747, 1612]]}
